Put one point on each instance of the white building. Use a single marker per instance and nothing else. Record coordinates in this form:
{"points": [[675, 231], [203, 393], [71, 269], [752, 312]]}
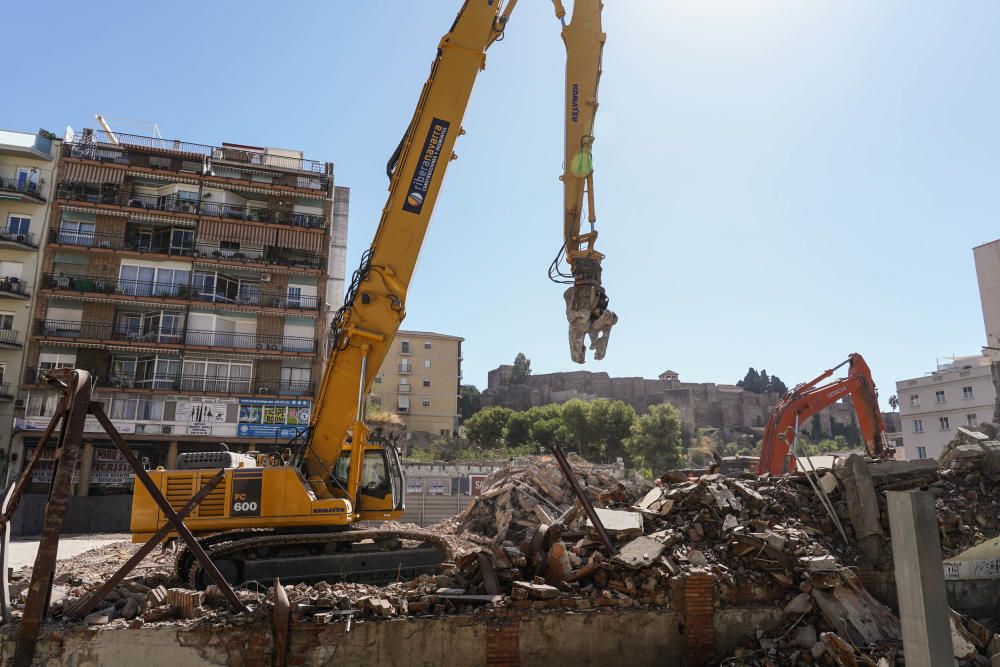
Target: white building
{"points": [[958, 393]]}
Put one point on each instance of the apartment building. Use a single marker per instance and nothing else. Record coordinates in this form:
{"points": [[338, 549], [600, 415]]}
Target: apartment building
{"points": [[958, 393], [419, 380], [27, 163], [192, 281]]}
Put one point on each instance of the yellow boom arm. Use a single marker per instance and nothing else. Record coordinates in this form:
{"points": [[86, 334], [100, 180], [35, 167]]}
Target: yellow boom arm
{"points": [[374, 307]]}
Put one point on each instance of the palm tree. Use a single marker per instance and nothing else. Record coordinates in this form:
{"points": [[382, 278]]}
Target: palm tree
{"points": [[893, 402]]}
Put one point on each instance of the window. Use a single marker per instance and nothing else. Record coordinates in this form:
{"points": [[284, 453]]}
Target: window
{"points": [[426, 402], [939, 396], [427, 345], [918, 425], [124, 407], [404, 366], [6, 321], [294, 296], [295, 380], [75, 232], [378, 379], [3, 369], [967, 392], [18, 224], [943, 423], [403, 404], [220, 376], [427, 363], [404, 347], [914, 400], [972, 419], [42, 405], [427, 382], [921, 452]]}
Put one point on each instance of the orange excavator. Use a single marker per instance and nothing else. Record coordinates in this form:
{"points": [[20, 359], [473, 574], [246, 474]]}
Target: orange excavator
{"points": [[807, 399]]}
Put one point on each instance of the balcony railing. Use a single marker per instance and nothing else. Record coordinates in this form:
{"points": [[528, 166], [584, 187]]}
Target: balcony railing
{"points": [[403, 389], [10, 337], [405, 368], [117, 242], [108, 331], [11, 285], [26, 239], [95, 194], [261, 299], [5, 390], [138, 288], [266, 386], [269, 255], [161, 290], [22, 186]]}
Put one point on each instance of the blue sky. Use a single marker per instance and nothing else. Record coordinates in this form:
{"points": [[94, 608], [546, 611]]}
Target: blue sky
{"points": [[778, 183]]}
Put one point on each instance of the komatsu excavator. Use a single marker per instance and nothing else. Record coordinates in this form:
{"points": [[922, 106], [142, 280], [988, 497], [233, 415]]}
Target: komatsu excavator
{"points": [[288, 519], [807, 399]]}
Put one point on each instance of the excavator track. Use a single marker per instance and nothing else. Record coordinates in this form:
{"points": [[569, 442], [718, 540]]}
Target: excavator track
{"points": [[244, 556]]}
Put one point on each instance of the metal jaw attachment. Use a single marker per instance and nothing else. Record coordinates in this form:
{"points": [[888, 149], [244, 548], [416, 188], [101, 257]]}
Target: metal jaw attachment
{"points": [[587, 312]]}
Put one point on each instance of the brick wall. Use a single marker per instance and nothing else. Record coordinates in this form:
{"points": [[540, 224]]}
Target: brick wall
{"points": [[699, 614], [502, 646]]}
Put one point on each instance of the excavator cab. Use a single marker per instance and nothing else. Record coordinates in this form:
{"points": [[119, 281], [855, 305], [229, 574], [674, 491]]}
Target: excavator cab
{"points": [[381, 489]]}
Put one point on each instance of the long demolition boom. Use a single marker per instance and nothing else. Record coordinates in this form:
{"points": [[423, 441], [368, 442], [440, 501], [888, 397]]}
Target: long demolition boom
{"points": [[365, 326]]}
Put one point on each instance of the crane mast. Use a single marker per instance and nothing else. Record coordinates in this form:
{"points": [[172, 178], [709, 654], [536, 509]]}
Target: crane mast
{"points": [[374, 307]]}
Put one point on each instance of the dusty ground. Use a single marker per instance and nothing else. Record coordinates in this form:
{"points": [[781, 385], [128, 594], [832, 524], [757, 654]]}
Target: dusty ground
{"points": [[22, 552]]}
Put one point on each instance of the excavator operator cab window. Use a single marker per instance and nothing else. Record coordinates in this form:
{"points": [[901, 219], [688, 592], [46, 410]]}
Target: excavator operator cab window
{"points": [[375, 475]]}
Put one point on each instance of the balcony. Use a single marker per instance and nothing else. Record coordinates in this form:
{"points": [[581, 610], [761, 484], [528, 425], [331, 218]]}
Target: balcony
{"points": [[262, 386], [136, 289], [406, 369], [6, 391], [19, 241], [96, 193], [10, 339], [14, 288], [21, 188], [403, 388], [132, 288], [220, 161], [108, 331], [128, 242], [269, 255]]}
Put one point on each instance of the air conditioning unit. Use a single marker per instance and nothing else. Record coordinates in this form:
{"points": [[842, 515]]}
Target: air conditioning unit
{"points": [[166, 429], [265, 277], [263, 390], [20, 403]]}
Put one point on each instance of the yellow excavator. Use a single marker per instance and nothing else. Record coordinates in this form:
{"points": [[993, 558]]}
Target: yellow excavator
{"points": [[288, 517]]}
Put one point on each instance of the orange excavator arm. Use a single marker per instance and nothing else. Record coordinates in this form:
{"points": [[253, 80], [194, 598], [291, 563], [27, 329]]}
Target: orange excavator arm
{"points": [[807, 399]]}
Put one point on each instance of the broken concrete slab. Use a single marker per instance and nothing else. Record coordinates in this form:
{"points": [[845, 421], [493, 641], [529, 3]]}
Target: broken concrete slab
{"points": [[534, 591], [640, 552], [620, 525]]}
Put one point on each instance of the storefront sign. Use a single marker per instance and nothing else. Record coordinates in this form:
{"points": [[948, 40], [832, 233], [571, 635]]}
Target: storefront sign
{"points": [[476, 484], [273, 417]]}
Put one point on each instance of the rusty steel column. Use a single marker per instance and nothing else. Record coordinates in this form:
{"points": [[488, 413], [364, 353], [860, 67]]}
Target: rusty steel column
{"points": [[10, 503], [581, 495], [85, 604], [76, 400], [169, 512]]}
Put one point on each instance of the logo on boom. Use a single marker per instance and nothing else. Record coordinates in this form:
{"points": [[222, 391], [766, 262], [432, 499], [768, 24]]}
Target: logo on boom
{"points": [[575, 103]]}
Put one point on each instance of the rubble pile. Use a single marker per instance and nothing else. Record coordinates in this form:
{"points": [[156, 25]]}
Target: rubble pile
{"points": [[526, 543]]}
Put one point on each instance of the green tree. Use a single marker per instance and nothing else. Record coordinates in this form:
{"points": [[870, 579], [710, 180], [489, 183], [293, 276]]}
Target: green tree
{"points": [[654, 441], [468, 401], [485, 429], [610, 423], [545, 431], [777, 386], [522, 369], [517, 432], [763, 382], [750, 380], [894, 402], [576, 422]]}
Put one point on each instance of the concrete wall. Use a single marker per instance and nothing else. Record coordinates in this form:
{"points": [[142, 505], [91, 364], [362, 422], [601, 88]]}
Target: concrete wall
{"points": [[86, 514], [634, 638]]}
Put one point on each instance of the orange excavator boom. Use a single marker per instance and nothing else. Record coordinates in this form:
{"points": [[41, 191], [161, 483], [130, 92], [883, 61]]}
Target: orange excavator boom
{"points": [[808, 398]]}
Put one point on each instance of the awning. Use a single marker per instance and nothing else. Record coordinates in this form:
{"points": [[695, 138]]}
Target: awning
{"points": [[90, 173], [299, 239], [250, 234]]}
